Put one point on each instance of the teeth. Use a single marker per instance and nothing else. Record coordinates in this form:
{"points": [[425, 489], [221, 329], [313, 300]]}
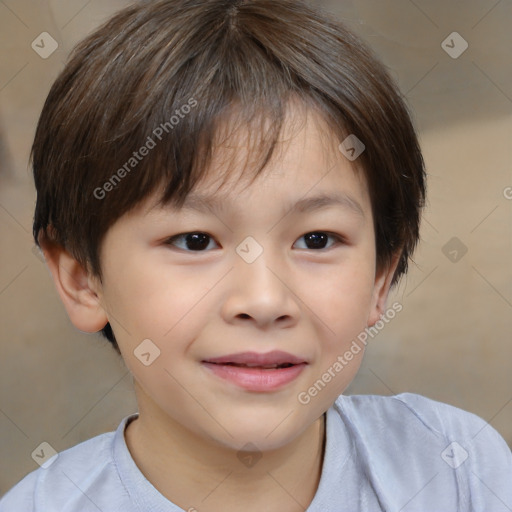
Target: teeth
{"points": [[260, 366], [265, 367], [274, 366]]}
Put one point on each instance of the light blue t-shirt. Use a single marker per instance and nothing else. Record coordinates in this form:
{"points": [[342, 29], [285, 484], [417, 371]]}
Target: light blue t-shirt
{"points": [[402, 453]]}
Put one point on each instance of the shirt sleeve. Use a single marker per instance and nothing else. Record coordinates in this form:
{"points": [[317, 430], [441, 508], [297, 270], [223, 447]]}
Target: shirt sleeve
{"points": [[20, 498], [489, 471], [475, 452]]}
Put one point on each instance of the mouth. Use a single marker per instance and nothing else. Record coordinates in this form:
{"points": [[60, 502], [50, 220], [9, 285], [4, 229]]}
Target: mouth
{"points": [[261, 367], [257, 372], [274, 359]]}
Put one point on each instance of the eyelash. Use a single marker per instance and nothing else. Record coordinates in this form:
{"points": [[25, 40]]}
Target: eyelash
{"points": [[339, 239]]}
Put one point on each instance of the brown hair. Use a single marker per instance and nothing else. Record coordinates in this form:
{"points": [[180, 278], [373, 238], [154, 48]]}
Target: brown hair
{"points": [[162, 75]]}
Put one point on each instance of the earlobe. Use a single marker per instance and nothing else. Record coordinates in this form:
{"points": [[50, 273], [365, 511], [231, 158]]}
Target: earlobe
{"points": [[75, 287], [381, 289]]}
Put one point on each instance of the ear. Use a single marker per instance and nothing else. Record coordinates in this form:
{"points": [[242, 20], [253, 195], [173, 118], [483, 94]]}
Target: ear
{"points": [[383, 279], [77, 289]]}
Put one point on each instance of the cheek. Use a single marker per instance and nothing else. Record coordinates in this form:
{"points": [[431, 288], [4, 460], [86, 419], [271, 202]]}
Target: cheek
{"points": [[156, 303], [342, 307], [340, 297]]}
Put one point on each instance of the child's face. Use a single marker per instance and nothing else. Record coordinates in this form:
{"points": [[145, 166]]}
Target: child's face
{"points": [[214, 296]]}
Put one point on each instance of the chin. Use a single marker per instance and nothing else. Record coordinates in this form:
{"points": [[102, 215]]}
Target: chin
{"points": [[267, 434]]}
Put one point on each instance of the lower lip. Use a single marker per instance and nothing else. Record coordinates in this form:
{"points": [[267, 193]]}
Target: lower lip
{"points": [[256, 379]]}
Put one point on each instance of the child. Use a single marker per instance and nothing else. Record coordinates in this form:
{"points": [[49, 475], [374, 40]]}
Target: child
{"points": [[269, 133]]}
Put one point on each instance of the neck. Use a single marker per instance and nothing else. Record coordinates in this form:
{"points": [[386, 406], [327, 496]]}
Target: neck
{"points": [[193, 472]]}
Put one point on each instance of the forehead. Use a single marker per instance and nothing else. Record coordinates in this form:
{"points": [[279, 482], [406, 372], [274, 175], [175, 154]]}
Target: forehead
{"points": [[304, 132], [307, 170]]}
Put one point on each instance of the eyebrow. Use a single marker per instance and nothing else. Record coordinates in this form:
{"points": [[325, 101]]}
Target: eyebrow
{"points": [[204, 204]]}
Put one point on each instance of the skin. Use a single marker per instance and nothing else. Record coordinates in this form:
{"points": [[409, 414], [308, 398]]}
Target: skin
{"points": [[195, 305]]}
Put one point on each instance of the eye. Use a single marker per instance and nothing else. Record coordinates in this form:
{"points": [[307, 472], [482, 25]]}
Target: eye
{"points": [[198, 241], [317, 239], [192, 242]]}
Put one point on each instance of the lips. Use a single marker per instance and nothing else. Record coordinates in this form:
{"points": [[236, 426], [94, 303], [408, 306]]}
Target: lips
{"points": [[257, 372], [269, 360]]}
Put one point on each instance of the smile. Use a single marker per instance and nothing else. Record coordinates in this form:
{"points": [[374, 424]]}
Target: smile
{"points": [[257, 372]]}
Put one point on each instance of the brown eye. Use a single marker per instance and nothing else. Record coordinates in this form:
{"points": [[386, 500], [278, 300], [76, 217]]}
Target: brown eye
{"points": [[192, 242], [317, 240]]}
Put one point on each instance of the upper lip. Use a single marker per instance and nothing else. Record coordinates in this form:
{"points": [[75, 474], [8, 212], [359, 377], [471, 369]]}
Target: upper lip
{"points": [[276, 357]]}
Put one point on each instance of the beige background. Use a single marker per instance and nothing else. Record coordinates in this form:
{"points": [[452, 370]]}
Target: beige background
{"points": [[451, 342]]}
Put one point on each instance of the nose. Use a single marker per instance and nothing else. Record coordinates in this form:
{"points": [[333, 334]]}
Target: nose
{"points": [[261, 292]]}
